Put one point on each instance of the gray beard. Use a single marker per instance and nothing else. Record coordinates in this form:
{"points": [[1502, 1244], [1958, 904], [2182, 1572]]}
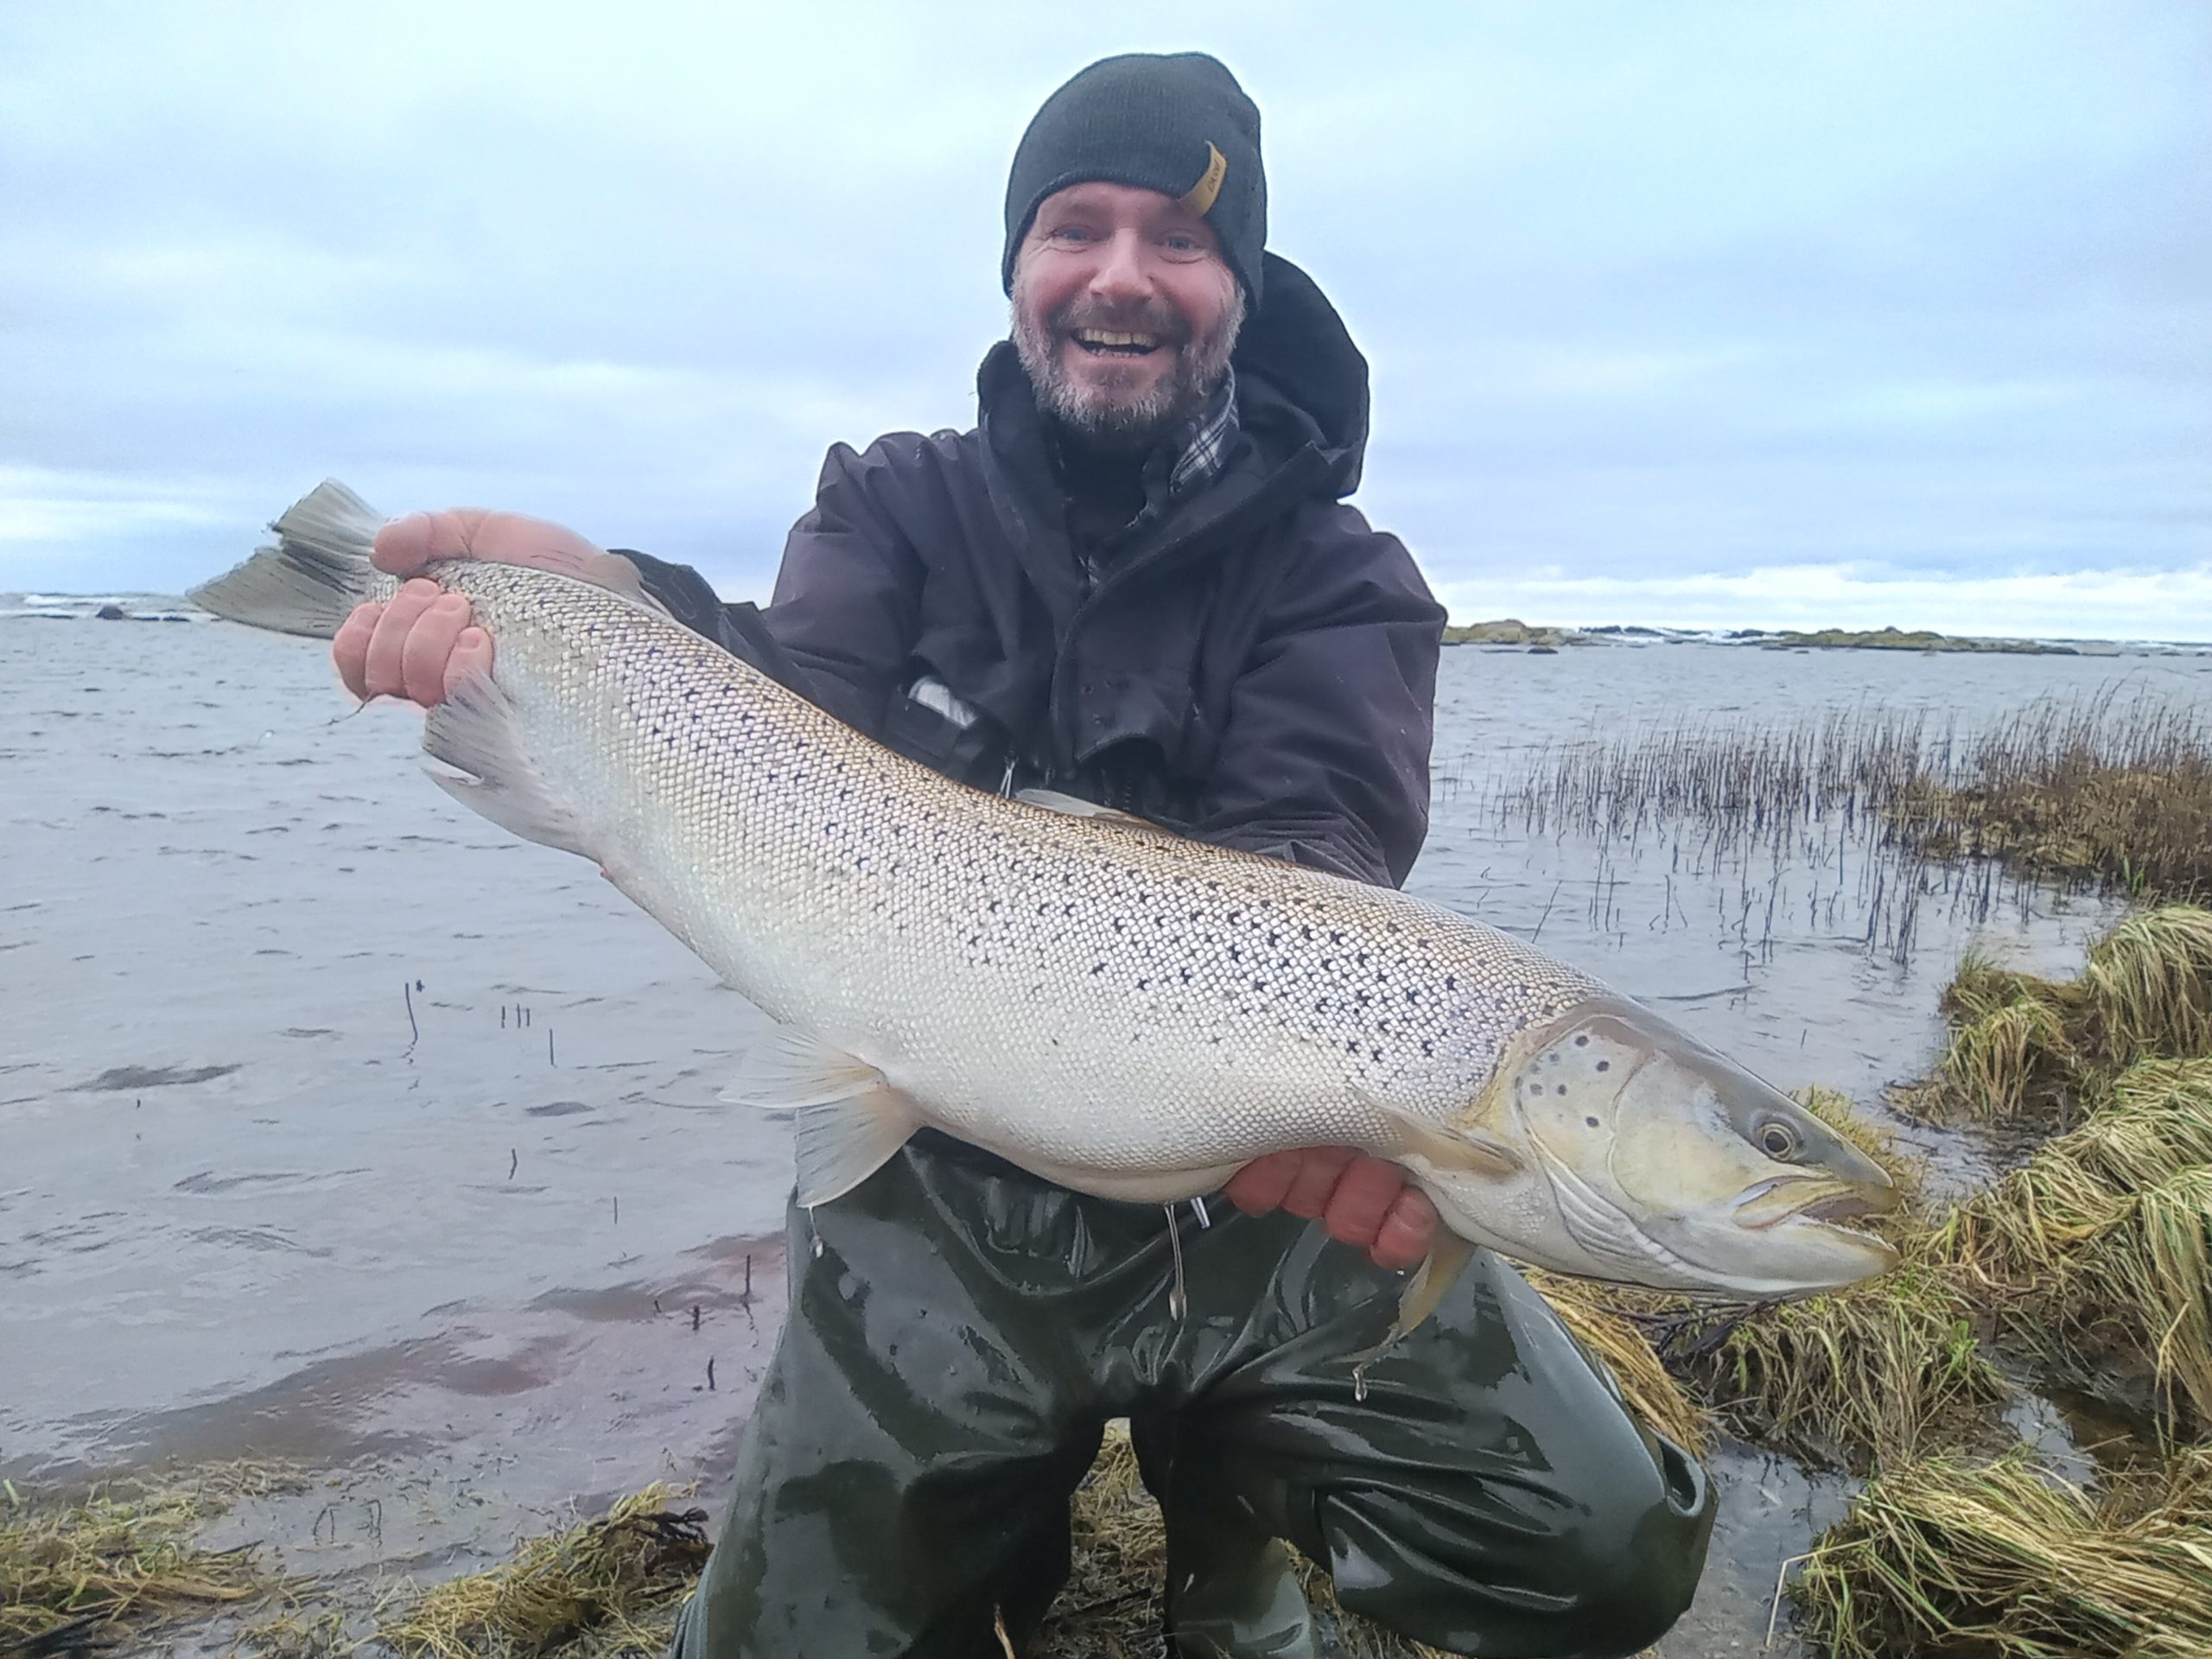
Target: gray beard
{"points": [[1090, 415]]}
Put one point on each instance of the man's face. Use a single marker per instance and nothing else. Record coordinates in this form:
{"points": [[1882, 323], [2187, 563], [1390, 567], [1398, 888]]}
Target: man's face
{"points": [[1124, 312]]}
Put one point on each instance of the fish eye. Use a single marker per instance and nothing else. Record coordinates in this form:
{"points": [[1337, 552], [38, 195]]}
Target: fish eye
{"points": [[1778, 1141]]}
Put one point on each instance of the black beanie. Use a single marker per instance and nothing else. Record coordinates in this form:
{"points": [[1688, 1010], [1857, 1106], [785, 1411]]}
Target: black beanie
{"points": [[1179, 124]]}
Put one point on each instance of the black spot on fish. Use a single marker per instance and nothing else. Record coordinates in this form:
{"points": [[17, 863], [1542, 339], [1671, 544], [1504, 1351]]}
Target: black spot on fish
{"points": [[1604, 1065], [1560, 1089], [1582, 1041]]}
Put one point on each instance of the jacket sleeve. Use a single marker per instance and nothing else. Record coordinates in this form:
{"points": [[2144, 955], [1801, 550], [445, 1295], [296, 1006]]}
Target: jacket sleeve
{"points": [[1324, 759], [840, 624]]}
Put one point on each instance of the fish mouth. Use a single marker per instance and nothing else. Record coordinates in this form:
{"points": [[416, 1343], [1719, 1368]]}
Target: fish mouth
{"points": [[1827, 1202]]}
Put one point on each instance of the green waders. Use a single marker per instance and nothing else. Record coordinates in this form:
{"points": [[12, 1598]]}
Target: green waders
{"points": [[959, 1331]]}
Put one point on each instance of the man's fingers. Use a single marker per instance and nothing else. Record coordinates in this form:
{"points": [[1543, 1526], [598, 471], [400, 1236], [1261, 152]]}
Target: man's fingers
{"points": [[1316, 1180], [472, 654], [1408, 1228], [1364, 1195], [403, 547], [430, 642], [1262, 1185], [349, 648], [386, 675]]}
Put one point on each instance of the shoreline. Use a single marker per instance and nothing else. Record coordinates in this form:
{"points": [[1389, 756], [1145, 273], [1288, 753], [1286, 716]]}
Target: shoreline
{"points": [[1547, 637]]}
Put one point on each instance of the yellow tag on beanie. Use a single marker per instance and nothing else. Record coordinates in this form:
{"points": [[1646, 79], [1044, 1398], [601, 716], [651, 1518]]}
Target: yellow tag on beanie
{"points": [[1200, 199]]}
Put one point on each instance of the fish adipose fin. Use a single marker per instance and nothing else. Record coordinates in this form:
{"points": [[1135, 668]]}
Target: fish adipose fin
{"points": [[473, 729], [851, 1121], [311, 580]]}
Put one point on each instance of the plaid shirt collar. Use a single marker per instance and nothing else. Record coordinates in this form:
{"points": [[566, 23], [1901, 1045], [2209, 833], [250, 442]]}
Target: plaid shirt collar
{"points": [[1202, 446]]}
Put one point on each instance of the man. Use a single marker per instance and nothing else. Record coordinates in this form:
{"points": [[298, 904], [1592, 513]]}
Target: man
{"points": [[1135, 581]]}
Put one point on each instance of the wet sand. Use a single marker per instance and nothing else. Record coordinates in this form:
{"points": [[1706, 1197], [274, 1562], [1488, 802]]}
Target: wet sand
{"points": [[337, 1125]]}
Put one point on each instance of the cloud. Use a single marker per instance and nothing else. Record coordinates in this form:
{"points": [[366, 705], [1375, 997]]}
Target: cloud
{"points": [[1649, 294]]}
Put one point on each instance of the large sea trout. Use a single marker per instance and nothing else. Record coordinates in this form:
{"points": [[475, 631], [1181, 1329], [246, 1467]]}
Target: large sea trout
{"points": [[1109, 1006]]}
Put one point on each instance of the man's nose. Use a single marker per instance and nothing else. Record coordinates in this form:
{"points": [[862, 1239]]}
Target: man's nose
{"points": [[1121, 272]]}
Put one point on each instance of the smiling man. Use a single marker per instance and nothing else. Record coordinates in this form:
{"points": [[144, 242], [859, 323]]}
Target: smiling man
{"points": [[1135, 581]]}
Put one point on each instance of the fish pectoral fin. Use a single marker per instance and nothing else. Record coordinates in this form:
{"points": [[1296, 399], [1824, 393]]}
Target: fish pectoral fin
{"points": [[474, 730], [1447, 1258], [1449, 1148], [850, 1120], [1075, 806]]}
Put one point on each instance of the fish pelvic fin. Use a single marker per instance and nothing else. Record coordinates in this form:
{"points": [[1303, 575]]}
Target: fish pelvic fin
{"points": [[474, 730], [1451, 1147], [312, 578], [1447, 1258], [850, 1121]]}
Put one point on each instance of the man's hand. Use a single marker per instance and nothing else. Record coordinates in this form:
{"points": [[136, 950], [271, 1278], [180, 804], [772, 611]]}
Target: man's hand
{"points": [[423, 643], [1364, 1201]]}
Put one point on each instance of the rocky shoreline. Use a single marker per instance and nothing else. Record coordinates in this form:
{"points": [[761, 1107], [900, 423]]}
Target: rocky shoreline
{"points": [[1511, 630]]}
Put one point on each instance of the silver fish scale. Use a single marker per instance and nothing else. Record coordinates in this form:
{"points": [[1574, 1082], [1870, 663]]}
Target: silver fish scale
{"points": [[1078, 995]]}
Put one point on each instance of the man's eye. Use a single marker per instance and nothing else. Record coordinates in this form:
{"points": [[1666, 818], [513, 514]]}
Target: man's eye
{"points": [[1182, 245], [1071, 233]]}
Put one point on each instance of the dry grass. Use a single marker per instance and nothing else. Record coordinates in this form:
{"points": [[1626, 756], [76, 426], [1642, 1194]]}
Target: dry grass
{"points": [[1868, 1377], [1613, 1323], [2148, 986], [2097, 1254], [1944, 1560], [604, 1588], [2009, 1046], [2140, 829], [117, 1560], [2034, 1049], [1111, 1608]]}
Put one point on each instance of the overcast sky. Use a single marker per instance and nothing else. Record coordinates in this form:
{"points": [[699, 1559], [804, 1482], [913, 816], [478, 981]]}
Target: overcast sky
{"points": [[1704, 314]]}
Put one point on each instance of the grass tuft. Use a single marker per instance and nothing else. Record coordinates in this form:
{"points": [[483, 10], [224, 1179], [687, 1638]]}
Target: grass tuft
{"points": [[1950, 1560], [2149, 986], [1604, 1319], [1865, 1377], [2097, 1253], [609, 1587], [111, 1562]]}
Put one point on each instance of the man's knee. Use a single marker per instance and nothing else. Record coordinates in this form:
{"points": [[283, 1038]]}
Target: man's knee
{"points": [[1635, 1565], [1602, 1570]]}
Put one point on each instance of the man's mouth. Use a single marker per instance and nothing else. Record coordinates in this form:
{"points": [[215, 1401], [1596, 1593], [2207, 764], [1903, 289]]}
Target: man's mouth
{"points": [[1114, 342]]}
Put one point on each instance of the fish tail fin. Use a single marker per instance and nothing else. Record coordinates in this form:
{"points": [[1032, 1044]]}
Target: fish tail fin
{"points": [[312, 578]]}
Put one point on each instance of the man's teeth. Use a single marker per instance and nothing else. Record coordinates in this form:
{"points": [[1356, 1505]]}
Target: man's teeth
{"points": [[1114, 340]]}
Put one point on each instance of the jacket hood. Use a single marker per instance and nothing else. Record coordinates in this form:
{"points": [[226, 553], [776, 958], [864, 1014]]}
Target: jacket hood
{"points": [[1299, 378], [1300, 382]]}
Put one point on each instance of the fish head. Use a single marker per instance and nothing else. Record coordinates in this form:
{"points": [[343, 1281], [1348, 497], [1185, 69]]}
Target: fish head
{"points": [[1671, 1166]]}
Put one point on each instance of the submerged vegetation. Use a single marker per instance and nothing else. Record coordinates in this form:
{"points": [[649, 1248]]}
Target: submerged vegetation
{"points": [[2111, 790]]}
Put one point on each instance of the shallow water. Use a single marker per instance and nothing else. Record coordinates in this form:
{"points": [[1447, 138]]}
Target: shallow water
{"points": [[335, 1122]]}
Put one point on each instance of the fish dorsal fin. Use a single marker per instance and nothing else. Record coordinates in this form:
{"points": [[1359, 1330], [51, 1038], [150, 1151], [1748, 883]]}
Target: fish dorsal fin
{"points": [[1448, 1146], [474, 730], [850, 1120], [1075, 807]]}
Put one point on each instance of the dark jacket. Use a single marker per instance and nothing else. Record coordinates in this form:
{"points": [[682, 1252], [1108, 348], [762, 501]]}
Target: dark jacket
{"points": [[1248, 662]]}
